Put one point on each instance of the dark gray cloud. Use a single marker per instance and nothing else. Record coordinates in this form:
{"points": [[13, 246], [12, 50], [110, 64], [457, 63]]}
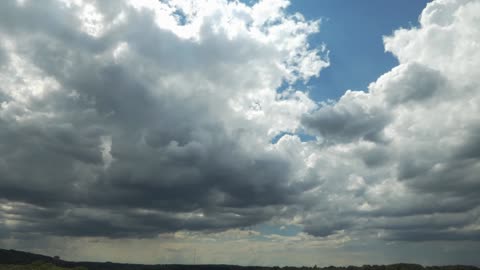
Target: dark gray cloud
{"points": [[350, 119], [374, 156], [137, 144], [410, 83], [3, 57], [432, 235], [325, 226], [138, 130], [470, 149]]}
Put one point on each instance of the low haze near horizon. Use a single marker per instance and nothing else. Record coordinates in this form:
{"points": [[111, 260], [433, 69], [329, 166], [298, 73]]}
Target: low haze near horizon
{"points": [[241, 132]]}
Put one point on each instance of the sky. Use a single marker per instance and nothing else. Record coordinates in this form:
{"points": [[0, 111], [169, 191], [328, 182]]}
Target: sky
{"points": [[352, 31], [241, 132]]}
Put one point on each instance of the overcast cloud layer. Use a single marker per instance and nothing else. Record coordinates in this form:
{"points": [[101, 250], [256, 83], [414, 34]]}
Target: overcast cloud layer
{"points": [[145, 120]]}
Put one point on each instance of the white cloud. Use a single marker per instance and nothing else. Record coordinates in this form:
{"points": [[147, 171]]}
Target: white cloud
{"points": [[158, 115], [146, 119], [419, 169]]}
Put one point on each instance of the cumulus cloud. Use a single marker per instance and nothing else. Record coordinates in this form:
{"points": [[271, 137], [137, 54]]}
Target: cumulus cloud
{"points": [[355, 116], [425, 167], [138, 118], [144, 117]]}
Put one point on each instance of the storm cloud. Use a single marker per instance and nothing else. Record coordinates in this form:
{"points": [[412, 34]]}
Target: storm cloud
{"points": [[136, 119], [134, 131]]}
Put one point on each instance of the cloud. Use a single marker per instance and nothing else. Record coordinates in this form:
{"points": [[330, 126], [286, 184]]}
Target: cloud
{"points": [[124, 121], [353, 117], [425, 110], [409, 83], [144, 118]]}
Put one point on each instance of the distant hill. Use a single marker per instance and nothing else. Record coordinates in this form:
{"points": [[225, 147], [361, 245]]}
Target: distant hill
{"points": [[20, 260], [38, 265], [14, 257], [19, 257]]}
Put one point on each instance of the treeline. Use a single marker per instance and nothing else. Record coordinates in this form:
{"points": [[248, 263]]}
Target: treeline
{"points": [[19, 260], [38, 265]]}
